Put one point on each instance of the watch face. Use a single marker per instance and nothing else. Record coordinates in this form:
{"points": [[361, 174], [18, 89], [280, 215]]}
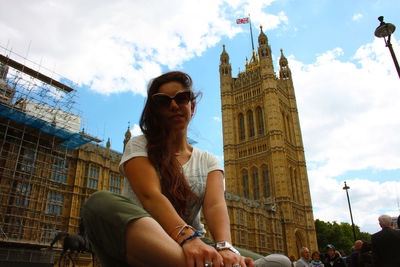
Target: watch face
{"points": [[223, 244]]}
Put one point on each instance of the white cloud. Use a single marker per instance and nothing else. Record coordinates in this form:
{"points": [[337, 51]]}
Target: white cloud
{"points": [[258, 16], [357, 16], [136, 130], [348, 113], [118, 46]]}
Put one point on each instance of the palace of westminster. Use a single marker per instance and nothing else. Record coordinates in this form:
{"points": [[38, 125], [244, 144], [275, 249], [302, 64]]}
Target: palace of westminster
{"points": [[49, 165]]}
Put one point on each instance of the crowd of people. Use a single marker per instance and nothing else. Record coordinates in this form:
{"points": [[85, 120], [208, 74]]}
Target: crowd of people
{"points": [[382, 251]]}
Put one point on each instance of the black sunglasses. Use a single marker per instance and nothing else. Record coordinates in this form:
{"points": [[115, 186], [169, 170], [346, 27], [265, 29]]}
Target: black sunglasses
{"points": [[164, 100]]}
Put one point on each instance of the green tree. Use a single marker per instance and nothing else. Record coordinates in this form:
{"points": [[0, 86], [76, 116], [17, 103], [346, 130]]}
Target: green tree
{"points": [[339, 235]]}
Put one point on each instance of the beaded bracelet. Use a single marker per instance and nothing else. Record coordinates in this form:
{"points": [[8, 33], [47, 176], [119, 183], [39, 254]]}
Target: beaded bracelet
{"points": [[196, 234], [181, 231]]}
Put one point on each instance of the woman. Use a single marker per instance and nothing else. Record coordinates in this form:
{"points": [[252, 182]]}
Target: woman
{"points": [[157, 222], [316, 260]]}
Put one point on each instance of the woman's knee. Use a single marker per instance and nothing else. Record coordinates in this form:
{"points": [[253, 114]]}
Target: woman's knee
{"points": [[96, 197], [100, 202]]}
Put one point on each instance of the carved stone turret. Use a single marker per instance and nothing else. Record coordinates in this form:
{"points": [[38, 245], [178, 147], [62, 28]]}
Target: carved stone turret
{"points": [[128, 135], [108, 145], [225, 70], [264, 52], [284, 72]]}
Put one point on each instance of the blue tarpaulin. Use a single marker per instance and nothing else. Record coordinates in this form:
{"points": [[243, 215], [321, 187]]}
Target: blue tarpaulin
{"points": [[71, 140]]}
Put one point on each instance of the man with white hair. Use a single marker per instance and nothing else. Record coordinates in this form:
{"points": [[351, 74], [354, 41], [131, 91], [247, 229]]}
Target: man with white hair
{"points": [[386, 244], [304, 260]]}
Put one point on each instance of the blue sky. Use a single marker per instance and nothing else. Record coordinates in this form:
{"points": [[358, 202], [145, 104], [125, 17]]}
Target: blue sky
{"points": [[346, 85]]}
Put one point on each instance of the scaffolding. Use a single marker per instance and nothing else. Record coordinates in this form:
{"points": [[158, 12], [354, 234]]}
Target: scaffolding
{"points": [[36, 94], [39, 126], [18, 257]]}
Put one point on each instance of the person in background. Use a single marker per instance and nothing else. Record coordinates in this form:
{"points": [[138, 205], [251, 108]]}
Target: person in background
{"points": [[293, 260], [366, 259], [343, 255], [386, 244], [355, 254], [316, 260], [348, 259], [304, 260], [333, 258]]}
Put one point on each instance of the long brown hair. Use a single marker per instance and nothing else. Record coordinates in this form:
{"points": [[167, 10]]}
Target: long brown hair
{"points": [[159, 149]]}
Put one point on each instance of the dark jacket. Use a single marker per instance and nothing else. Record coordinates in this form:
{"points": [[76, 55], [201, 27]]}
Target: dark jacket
{"points": [[386, 247], [365, 259], [337, 261], [355, 255]]}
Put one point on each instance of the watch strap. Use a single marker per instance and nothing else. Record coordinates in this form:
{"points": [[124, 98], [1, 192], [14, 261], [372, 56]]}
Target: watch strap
{"points": [[225, 245]]}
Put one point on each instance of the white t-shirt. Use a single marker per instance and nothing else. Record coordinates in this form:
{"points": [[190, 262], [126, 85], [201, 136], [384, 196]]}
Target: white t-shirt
{"points": [[195, 171]]}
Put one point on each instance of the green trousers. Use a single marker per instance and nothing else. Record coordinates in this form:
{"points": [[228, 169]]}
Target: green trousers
{"points": [[105, 216]]}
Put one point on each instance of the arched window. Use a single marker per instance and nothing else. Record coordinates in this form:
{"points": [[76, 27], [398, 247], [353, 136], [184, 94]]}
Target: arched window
{"points": [[242, 132], [299, 243], [245, 181], [266, 181], [260, 120], [264, 53], [250, 119], [256, 185]]}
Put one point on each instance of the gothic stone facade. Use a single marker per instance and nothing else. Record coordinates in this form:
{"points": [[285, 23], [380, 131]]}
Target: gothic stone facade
{"points": [[43, 186], [267, 189]]}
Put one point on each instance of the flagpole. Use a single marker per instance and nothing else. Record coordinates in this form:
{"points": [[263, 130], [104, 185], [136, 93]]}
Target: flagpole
{"points": [[251, 34]]}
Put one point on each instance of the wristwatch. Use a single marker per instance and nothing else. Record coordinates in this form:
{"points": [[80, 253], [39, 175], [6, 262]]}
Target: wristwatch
{"points": [[222, 245]]}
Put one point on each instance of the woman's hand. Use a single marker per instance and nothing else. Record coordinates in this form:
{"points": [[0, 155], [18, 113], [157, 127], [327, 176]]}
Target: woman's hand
{"points": [[198, 253], [232, 259]]}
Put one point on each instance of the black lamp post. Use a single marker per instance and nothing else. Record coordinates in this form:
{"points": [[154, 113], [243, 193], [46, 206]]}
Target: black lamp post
{"points": [[346, 187], [385, 30]]}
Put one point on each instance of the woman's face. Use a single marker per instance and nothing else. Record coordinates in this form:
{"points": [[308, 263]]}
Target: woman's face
{"points": [[316, 257], [178, 112]]}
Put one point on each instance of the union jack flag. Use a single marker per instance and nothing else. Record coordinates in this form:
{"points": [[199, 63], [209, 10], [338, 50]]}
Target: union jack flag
{"points": [[242, 21]]}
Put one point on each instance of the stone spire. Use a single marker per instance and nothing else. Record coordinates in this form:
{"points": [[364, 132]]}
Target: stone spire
{"points": [[108, 145], [127, 136], [264, 53], [262, 38], [225, 69], [284, 72]]}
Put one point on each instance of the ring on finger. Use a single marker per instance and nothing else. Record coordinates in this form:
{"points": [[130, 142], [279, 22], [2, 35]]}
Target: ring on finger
{"points": [[209, 264], [236, 265]]}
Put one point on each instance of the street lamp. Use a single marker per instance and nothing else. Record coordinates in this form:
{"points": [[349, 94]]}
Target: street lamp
{"points": [[346, 187], [385, 30]]}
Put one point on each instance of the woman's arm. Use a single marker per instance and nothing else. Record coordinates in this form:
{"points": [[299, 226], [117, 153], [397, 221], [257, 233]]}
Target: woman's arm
{"points": [[217, 218], [145, 182], [214, 207]]}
